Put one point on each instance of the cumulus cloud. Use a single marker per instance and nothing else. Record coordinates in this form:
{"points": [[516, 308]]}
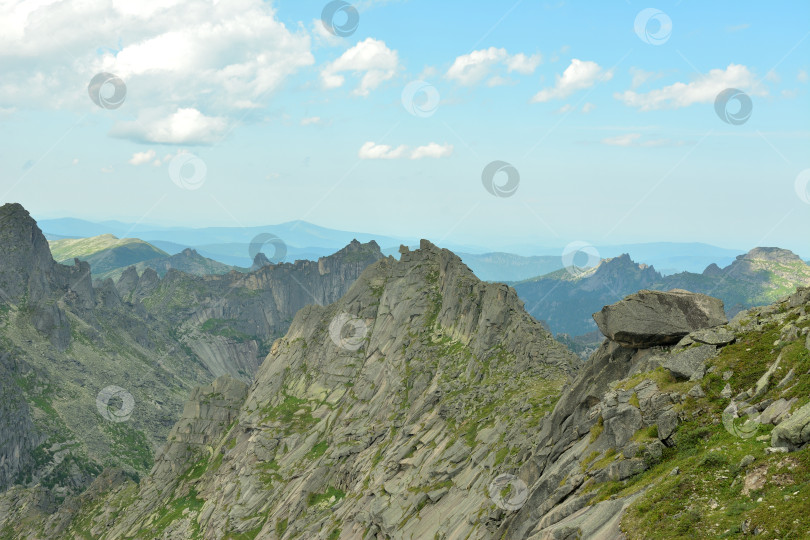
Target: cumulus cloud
{"points": [[588, 107], [139, 158], [580, 74], [704, 89], [184, 126], [470, 69], [371, 150], [432, 150], [311, 120], [221, 58], [371, 58], [525, 65]]}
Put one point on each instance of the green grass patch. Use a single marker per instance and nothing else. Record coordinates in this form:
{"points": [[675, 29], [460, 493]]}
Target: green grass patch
{"points": [[330, 496], [318, 450]]}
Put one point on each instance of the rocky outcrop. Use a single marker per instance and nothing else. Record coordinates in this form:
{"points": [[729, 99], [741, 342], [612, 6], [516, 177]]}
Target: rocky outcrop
{"points": [[652, 318], [396, 410], [793, 433], [689, 364], [147, 341], [207, 415], [390, 411], [26, 266], [18, 435], [600, 416], [229, 321]]}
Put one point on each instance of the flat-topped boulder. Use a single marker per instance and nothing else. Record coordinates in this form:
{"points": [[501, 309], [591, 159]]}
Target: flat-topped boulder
{"points": [[651, 318]]}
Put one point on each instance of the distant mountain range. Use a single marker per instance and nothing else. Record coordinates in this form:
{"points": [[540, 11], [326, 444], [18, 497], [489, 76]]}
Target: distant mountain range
{"points": [[306, 241], [109, 256], [563, 300], [566, 300]]}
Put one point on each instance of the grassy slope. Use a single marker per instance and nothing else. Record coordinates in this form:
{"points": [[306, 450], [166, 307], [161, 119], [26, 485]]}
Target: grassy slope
{"points": [[105, 252], [705, 500], [83, 247]]}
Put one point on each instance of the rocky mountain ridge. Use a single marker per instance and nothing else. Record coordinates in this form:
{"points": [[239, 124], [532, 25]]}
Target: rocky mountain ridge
{"points": [[451, 415], [75, 354], [565, 299], [382, 424]]}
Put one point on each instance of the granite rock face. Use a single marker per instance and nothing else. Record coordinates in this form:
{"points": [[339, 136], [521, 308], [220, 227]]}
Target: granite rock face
{"points": [[64, 339], [374, 414], [398, 427], [18, 434], [653, 318], [229, 321]]}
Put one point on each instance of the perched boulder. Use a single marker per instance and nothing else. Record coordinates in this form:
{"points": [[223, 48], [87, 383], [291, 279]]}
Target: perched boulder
{"points": [[794, 432], [650, 318]]}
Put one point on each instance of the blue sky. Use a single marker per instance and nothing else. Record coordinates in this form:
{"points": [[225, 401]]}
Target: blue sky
{"points": [[615, 139]]}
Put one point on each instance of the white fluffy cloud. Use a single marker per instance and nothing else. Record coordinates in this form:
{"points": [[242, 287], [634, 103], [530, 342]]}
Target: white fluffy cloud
{"points": [[139, 158], [219, 58], [312, 120], [472, 68], [432, 150], [371, 57], [704, 89], [185, 126], [580, 74], [371, 150]]}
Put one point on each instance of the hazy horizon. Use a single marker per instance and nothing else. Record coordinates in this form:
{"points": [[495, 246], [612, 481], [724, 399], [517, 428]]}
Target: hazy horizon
{"points": [[619, 124]]}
